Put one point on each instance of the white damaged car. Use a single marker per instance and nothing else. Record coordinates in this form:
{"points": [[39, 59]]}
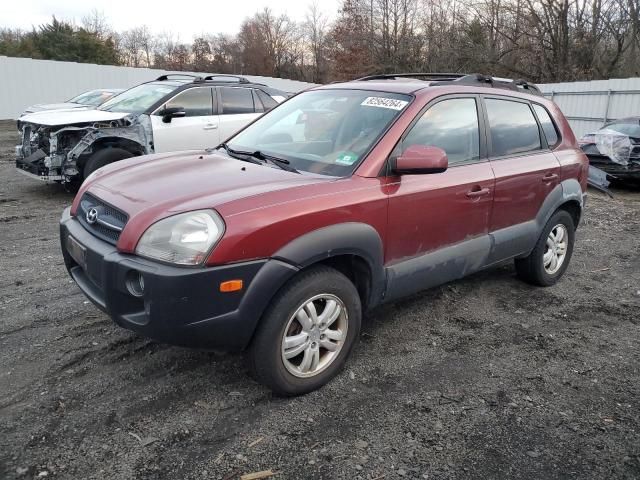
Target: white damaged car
{"points": [[173, 112]]}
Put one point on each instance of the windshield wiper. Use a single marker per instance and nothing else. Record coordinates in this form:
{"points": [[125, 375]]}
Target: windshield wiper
{"points": [[282, 163], [234, 154]]}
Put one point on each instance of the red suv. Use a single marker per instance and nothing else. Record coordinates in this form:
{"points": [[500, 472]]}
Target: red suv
{"points": [[339, 199]]}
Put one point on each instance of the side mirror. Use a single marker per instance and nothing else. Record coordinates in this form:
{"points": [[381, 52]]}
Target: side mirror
{"points": [[172, 112], [418, 159]]}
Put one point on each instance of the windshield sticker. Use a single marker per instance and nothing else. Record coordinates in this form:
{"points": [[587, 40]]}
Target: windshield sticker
{"points": [[347, 158], [383, 102]]}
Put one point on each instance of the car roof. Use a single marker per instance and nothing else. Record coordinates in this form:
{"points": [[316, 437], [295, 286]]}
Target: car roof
{"points": [[409, 83], [188, 80]]}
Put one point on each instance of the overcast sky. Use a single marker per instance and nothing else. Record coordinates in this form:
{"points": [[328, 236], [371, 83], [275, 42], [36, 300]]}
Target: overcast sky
{"points": [[187, 18]]}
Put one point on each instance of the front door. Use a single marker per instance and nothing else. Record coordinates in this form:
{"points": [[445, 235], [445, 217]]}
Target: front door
{"points": [[438, 223], [198, 129]]}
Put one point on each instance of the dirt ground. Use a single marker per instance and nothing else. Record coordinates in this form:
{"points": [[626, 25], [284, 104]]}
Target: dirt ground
{"points": [[483, 378]]}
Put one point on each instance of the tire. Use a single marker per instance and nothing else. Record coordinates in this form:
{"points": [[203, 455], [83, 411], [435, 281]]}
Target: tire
{"points": [[536, 268], [266, 356], [104, 157]]}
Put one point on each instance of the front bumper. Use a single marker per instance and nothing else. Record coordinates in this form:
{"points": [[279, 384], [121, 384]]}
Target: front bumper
{"points": [[33, 167], [180, 306]]}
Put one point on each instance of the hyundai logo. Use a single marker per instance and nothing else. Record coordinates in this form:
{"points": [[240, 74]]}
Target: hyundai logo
{"points": [[92, 216]]}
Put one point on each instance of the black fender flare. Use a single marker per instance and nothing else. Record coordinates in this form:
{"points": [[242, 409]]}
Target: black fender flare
{"points": [[568, 190], [350, 238]]}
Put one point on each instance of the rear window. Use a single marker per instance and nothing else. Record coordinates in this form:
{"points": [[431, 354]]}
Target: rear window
{"points": [[513, 127], [547, 125], [236, 100], [267, 101]]}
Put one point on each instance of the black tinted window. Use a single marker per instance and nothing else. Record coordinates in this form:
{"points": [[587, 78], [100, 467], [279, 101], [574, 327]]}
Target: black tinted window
{"points": [[267, 101], [236, 100], [451, 125], [195, 101], [548, 127], [513, 127]]}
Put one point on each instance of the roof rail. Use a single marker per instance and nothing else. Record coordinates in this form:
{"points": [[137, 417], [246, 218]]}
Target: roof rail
{"points": [[167, 75], [425, 76], [478, 79], [226, 77]]}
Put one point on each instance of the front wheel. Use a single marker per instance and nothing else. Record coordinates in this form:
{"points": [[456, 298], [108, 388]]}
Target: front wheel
{"points": [[550, 257], [104, 157], [307, 333]]}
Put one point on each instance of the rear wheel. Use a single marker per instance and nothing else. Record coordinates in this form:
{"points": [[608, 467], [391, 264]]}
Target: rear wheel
{"points": [[104, 157], [307, 333], [550, 257]]}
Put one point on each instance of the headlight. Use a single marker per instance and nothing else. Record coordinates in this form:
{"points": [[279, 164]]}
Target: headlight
{"points": [[184, 239]]}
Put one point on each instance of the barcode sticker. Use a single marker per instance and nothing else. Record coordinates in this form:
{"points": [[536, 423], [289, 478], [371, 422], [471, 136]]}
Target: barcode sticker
{"points": [[383, 102]]}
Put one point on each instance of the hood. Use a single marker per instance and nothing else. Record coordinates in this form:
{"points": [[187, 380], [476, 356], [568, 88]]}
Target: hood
{"points": [[152, 187], [53, 106], [70, 117]]}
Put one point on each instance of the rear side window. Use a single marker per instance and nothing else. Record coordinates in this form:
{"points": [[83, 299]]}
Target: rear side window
{"points": [[236, 100], [451, 125], [267, 101], [513, 127], [197, 102], [547, 125]]}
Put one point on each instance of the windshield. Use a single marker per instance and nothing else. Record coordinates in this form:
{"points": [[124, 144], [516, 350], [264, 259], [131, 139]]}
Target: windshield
{"points": [[92, 98], [137, 99], [630, 129], [323, 131]]}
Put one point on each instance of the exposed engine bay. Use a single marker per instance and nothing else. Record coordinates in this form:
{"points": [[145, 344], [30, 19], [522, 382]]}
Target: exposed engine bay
{"points": [[57, 153]]}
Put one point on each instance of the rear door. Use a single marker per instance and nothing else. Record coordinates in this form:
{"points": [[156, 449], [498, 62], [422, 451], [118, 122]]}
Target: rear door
{"points": [[526, 172], [196, 130], [237, 109], [438, 223]]}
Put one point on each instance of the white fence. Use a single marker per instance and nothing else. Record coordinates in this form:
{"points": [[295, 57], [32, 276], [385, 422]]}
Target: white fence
{"points": [[25, 81], [588, 105]]}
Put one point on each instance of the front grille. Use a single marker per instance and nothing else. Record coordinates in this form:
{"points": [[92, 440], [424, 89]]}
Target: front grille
{"points": [[107, 222]]}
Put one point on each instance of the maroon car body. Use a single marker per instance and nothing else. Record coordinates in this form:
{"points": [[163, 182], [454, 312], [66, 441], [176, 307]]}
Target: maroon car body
{"points": [[392, 233]]}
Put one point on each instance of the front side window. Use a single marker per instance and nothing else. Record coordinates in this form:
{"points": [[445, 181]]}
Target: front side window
{"points": [[236, 100], [451, 125], [196, 102], [513, 127], [323, 131], [547, 125], [137, 99]]}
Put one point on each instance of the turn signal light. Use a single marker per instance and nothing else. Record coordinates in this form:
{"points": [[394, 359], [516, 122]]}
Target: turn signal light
{"points": [[231, 286]]}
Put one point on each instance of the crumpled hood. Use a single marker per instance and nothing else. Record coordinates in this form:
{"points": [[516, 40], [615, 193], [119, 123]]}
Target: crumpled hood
{"points": [[70, 117], [54, 106], [152, 187]]}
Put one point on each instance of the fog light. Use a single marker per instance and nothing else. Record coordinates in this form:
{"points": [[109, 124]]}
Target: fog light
{"points": [[135, 283], [231, 286]]}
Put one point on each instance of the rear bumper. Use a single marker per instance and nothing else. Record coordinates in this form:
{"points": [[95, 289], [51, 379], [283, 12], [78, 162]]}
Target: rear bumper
{"points": [[180, 306]]}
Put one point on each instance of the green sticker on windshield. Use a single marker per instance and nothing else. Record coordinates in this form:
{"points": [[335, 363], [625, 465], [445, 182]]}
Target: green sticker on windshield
{"points": [[347, 158]]}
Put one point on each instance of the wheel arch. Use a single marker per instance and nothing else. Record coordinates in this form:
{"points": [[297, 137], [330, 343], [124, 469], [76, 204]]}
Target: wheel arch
{"points": [[355, 249], [133, 147]]}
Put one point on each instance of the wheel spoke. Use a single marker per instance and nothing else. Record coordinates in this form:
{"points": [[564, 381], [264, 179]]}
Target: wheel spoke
{"points": [[315, 358], [559, 234], [329, 345], [333, 317], [546, 259], [554, 262], [550, 241], [336, 335], [303, 318], [329, 308], [312, 312], [295, 340], [307, 360], [295, 351]]}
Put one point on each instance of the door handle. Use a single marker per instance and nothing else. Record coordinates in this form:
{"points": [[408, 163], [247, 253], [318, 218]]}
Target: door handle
{"points": [[550, 177], [210, 126], [479, 192]]}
